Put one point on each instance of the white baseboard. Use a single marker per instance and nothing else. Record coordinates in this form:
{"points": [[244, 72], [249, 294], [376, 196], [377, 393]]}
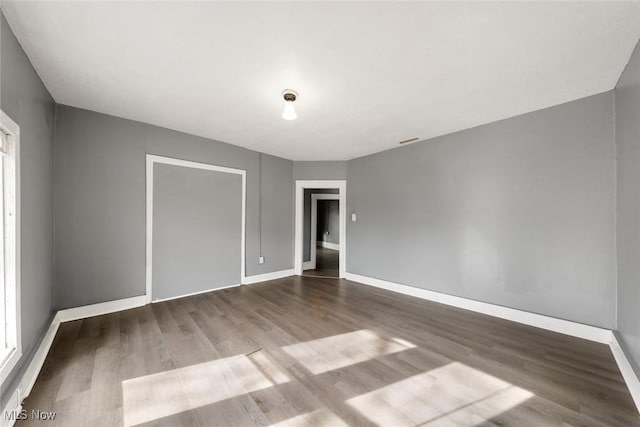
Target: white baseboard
{"points": [[101, 308], [11, 410], [592, 333], [249, 280], [334, 246], [579, 330], [307, 265], [30, 375], [629, 375], [35, 365], [562, 326], [194, 293]]}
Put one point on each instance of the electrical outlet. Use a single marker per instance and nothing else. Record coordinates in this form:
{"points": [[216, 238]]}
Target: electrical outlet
{"points": [[261, 260]]}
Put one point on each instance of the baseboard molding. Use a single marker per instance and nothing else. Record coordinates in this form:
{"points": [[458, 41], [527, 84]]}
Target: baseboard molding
{"points": [[328, 245], [101, 308], [194, 293], [562, 326], [627, 371], [605, 336], [567, 327], [307, 265], [30, 375], [10, 411], [249, 280], [37, 361]]}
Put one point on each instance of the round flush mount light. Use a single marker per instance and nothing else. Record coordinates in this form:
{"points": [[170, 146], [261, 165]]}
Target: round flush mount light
{"points": [[290, 97]]}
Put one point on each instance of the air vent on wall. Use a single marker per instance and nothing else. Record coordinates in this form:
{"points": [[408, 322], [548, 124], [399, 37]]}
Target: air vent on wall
{"points": [[408, 140]]}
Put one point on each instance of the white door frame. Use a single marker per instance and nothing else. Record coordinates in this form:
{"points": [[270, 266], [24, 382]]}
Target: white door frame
{"points": [[314, 223], [301, 185], [11, 294], [152, 159]]}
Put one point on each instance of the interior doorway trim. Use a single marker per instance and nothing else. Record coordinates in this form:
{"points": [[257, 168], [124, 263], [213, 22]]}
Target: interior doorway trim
{"points": [[152, 159], [314, 224], [301, 185]]}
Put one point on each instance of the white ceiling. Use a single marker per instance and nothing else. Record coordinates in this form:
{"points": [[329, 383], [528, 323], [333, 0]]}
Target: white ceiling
{"points": [[368, 74]]}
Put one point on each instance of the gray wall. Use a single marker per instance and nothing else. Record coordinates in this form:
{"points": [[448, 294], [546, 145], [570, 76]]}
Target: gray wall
{"points": [[306, 224], [24, 98], [197, 230], [277, 217], [328, 221], [518, 213], [320, 170], [100, 203], [628, 203]]}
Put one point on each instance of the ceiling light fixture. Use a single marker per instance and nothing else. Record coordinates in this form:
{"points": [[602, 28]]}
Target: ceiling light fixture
{"points": [[289, 112]]}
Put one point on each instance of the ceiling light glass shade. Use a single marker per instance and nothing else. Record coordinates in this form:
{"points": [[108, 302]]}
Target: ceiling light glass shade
{"points": [[289, 112]]}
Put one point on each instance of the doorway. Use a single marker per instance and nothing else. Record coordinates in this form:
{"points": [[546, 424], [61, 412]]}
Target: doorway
{"points": [[320, 218], [324, 236]]}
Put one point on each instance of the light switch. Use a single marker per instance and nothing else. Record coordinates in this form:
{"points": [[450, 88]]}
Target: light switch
{"points": [[353, 217], [261, 260]]}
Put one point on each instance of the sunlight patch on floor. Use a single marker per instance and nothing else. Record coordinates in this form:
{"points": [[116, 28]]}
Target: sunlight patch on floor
{"points": [[167, 393], [338, 351], [454, 394], [320, 417]]}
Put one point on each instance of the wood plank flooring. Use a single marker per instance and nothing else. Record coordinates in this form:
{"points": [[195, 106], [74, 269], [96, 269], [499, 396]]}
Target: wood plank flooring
{"points": [[327, 263], [309, 351]]}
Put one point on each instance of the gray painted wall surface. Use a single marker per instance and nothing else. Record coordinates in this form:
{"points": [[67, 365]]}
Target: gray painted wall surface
{"points": [[277, 216], [306, 224], [518, 213], [24, 98], [197, 230], [320, 170], [328, 221], [628, 203], [100, 202]]}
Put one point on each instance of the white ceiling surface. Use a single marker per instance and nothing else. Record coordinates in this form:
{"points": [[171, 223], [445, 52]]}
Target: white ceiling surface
{"points": [[368, 74]]}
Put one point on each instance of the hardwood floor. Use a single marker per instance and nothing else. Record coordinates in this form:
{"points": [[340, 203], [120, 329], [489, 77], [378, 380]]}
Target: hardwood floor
{"points": [[327, 263], [309, 351]]}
